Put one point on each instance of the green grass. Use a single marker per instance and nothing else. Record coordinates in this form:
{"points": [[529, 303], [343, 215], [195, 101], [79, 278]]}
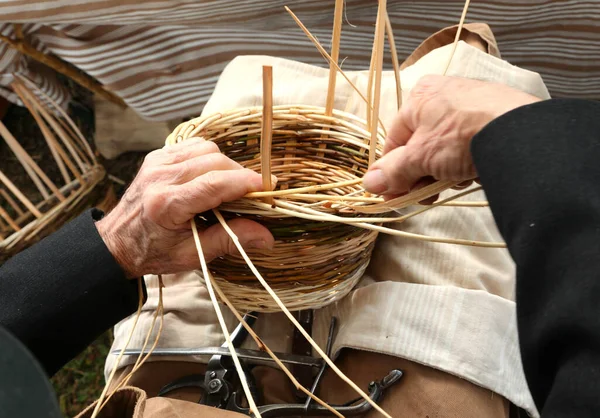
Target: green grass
{"points": [[81, 381]]}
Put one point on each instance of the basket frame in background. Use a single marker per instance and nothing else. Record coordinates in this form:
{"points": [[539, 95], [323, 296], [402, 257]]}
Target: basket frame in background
{"points": [[26, 218]]}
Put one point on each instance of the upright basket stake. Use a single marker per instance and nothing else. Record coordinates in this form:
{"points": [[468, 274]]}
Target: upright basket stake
{"points": [[325, 55], [395, 63], [266, 136], [335, 54], [458, 32], [379, 38]]}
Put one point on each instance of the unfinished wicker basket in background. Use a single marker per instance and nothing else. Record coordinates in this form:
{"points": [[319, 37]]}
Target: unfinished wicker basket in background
{"points": [[29, 212], [312, 263]]}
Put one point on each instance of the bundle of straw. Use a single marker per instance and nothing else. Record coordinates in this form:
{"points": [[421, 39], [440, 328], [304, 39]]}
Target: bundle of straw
{"points": [[29, 212]]}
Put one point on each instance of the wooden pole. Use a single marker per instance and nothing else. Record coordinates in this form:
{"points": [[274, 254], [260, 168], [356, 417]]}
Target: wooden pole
{"points": [[84, 80]]}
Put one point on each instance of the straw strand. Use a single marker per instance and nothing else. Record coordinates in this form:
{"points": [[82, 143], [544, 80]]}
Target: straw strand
{"points": [[293, 320], [213, 298]]}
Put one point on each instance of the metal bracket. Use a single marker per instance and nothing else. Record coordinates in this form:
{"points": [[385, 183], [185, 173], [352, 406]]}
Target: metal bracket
{"points": [[220, 382]]}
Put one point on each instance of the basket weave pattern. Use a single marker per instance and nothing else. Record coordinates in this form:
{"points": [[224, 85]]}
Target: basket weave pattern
{"points": [[312, 263]]}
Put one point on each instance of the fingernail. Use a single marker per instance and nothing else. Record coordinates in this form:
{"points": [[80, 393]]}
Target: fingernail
{"points": [[375, 182], [274, 181], [258, 244]]}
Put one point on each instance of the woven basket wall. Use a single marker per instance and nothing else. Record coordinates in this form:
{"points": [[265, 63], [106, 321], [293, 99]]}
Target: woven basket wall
{"points": [[312, 263]]}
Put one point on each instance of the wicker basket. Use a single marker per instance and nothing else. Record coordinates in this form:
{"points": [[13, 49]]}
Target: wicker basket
{"points": [[313, 263], [29, 212]]}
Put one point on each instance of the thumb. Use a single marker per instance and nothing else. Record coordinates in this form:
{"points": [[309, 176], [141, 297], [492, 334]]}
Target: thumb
{"points": [[395, 173], [216, 242]]}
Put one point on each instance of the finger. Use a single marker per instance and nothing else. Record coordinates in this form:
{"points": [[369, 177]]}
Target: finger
{"points": [[188, 170], [209, 191], [399, 133], [395, 173], [252, 235], [173, 154], [424, 182], [216, 243], [463, 185]]}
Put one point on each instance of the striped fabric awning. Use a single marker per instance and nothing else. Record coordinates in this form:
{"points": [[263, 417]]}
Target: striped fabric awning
{"points": [[164, 57]]}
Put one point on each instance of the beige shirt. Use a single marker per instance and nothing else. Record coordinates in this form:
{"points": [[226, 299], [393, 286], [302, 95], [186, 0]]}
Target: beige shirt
{"points": [[449, 307]]}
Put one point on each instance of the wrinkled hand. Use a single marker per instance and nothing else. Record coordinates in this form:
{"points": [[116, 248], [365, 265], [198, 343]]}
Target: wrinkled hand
{"points": [[149, 230], [430, 137]]}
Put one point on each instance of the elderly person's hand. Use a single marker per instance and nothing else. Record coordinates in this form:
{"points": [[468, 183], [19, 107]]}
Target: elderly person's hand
{"points": [[149, 230], [431, 135]]}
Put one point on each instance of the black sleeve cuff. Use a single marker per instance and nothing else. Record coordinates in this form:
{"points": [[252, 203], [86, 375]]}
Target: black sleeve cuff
{"points": [[62, 293], [538, 157]]}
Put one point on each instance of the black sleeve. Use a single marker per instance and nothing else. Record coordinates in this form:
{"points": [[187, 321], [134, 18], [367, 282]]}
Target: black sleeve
{"points": [[540, 168], [62, 293]]}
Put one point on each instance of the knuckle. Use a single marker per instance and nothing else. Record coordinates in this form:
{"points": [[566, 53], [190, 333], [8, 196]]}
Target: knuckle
{"points": [[212, 182], [211, 147], [250, 174], [426, 157], [424, 85], [153, 157], [155, 173], [211, 187], [215, 160], [155, 201]]}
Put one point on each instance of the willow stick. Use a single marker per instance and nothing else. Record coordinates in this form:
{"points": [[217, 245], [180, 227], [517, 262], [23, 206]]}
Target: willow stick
{"points": [[64, 68], [60, 132], [143, 357], [328, 58], [292, 318], [395, 62], [20, 196], [263, 347], [215, 302], [306, 213], [371, 75], [64, 114], [439, 203], [266, 136], [402, 218], [120, 356], [3, 228], [12, 202], [36, 174], [304, 189], [365, 199], [335, 54], [458, 32], [57, 152], [70, 141], [379, 43], [9, 220], [79, 147], [66, 129]]}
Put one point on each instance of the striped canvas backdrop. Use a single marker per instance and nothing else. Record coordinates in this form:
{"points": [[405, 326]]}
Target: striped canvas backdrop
{"points": [[164, 57]]}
